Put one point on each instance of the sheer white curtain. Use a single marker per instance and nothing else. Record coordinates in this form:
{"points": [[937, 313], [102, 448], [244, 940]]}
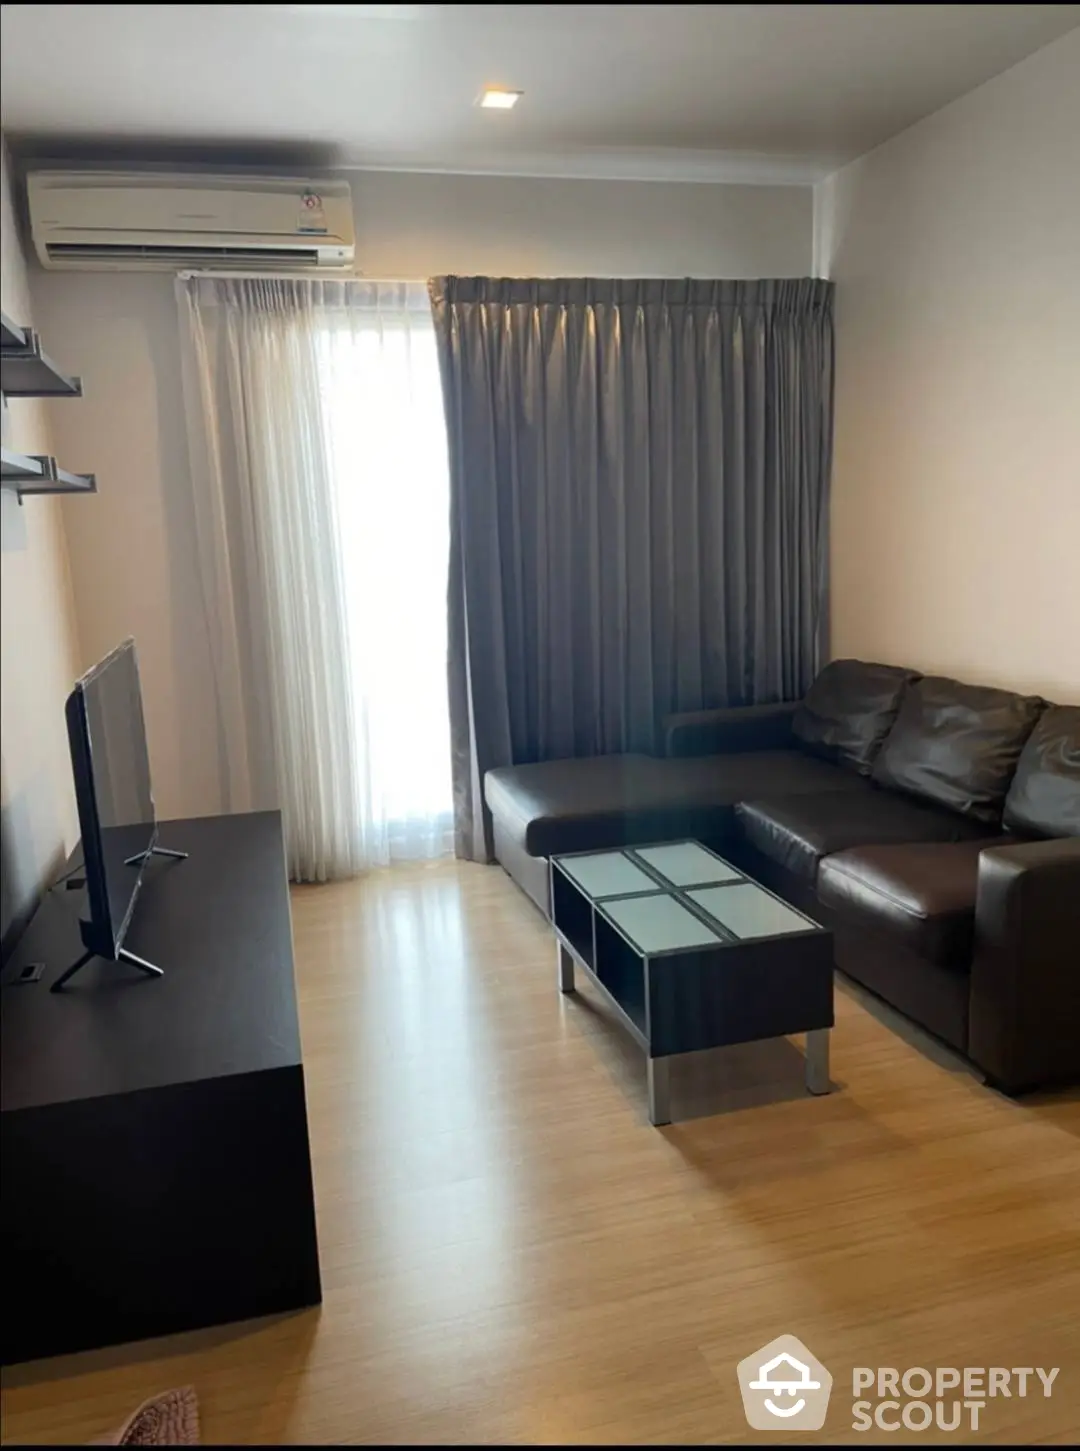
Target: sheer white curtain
{"points": [[383, 406], [319, 475]]}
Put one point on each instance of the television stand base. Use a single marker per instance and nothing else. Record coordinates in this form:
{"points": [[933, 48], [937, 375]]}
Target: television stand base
{"points": [[144, 856], [123, 955]]}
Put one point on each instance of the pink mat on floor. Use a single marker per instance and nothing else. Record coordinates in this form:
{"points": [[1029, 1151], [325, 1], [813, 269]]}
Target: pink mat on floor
{"points": [[171, 1419]]}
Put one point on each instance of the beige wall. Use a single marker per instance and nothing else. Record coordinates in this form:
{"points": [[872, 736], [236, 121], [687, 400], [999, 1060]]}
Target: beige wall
{"points": [[132, 552], [37, 643], [956, 478], [410, 225], [132, 547]]}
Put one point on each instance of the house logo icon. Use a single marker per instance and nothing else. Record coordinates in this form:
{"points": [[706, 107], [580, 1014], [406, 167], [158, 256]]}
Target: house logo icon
{"points": [[784, 1386]]}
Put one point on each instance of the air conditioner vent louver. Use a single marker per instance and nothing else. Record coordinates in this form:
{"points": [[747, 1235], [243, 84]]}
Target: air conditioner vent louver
{"points": [[185, 256], [167, 221]]}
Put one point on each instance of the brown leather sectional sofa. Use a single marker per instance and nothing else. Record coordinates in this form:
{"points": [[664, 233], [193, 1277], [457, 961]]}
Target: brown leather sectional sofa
{"points": [[934, 825]]}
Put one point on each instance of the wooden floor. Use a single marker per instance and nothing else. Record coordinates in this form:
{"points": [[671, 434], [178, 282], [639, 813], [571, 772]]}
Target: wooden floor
{"points": [[511, 1254]]}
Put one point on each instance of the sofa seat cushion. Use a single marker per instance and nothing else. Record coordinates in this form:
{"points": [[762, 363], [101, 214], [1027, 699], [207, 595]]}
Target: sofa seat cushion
{"points": [[1044, 798], [602, 801], [797, 831], [923, 894], [957, 745], [849, 710]]}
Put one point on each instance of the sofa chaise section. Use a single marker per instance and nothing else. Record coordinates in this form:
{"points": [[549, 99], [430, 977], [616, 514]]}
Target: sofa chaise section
{"points": [[550, 807]]}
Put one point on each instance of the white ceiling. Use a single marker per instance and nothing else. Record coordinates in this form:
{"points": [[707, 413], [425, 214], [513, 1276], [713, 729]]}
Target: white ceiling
{"points": [[707, 92]]}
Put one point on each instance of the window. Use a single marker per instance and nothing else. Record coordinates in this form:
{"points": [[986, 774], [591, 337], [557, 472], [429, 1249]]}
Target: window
{"points": [[383, 415]]}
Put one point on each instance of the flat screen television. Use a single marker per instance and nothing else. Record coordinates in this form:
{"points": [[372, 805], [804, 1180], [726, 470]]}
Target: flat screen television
{"points": [[111, 764]]}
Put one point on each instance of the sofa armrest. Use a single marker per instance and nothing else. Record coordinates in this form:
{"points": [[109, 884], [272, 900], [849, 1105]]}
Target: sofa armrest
{"points": [[1024, 1022], [738, 728]]}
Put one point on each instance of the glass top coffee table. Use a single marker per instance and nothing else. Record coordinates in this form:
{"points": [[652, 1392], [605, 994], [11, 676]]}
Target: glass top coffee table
{"points": [[691, 953]]}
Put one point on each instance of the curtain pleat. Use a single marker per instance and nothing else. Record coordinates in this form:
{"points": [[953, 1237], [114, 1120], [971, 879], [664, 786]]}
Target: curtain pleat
{"points": [[639, 493]]}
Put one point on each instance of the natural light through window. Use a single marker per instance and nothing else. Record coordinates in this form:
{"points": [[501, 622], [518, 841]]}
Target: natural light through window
{"points": [[384, 419]]}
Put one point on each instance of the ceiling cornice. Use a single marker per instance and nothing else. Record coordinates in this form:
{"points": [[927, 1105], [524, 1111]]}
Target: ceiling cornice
{"points": [[615, 165], [661, 164]]}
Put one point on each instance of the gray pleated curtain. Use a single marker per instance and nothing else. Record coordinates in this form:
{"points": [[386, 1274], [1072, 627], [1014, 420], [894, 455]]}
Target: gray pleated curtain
{"points": [[639, 484]]}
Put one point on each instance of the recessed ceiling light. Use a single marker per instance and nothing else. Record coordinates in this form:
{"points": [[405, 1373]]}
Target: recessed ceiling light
{"points": [[496, 99]]}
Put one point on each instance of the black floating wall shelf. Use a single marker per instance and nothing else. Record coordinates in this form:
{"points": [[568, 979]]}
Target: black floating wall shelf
{"points": [[11, 336], [38, 473], [27, 372]]}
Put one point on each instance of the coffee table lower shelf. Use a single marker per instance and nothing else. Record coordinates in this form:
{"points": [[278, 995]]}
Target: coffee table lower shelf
{"points": [[658, 1069]]}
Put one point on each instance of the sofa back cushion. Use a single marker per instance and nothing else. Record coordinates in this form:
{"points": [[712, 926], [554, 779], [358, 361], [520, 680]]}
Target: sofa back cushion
{"points": [[1044, 798], [848, 711], [957, 744]]}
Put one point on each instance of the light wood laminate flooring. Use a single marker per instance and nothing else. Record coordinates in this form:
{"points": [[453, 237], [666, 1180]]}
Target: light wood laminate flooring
{"points": [[510, 1252]]}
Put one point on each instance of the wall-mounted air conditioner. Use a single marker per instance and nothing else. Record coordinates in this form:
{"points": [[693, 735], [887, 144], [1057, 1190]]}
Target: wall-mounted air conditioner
{"points": [[167, 221]]}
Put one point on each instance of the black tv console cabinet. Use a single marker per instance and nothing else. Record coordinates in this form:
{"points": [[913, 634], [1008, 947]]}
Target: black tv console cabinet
{"points": [[156, 1166]]}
